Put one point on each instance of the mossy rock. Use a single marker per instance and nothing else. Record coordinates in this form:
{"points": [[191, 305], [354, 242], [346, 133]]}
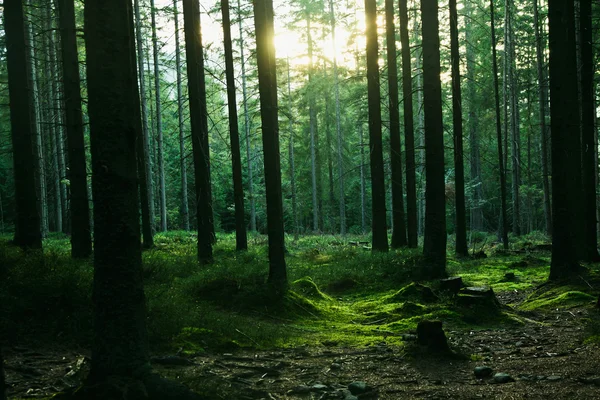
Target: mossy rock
{"points": [[413, 292], [307, 287]]}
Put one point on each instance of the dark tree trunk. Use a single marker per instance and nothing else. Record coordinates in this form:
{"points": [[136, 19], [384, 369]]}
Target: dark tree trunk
{"points": [[267, 85], [2, 380], [588, 132], [27, 223], [566, 154], [292, 170], [504, 222], [434, 248], [399, 230], [81, 240], [199, 125], [379, 223], [409, 133], [312, 116], [236, 159], [459, 168]]}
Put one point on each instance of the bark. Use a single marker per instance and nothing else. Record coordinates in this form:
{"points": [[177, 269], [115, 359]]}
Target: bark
{"points": [[144, 164], [514, 122], [159, 130], [292, 158], [236, 159], [267, 85], [503, 223], [434, 247], [81, 240], [312, 115], [199, 125], [185, 209], [363, 196], [398, 224], [379, 223], [566, 153], [542, 118], [409, 133], [27, 222]]}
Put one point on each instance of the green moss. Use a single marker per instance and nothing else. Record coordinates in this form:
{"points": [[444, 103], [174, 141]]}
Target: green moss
{"points": [[412, 292], [568, 299], [595, 340], [307, 287]]}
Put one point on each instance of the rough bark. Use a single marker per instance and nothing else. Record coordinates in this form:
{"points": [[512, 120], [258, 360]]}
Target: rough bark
{"points": [[312, 115], [292, 157]]}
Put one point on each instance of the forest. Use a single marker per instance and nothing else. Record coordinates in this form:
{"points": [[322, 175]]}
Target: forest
{"points": [[299, 199]]}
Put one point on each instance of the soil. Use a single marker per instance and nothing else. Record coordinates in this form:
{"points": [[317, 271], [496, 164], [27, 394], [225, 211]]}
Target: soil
{"points": [[546, 357]]}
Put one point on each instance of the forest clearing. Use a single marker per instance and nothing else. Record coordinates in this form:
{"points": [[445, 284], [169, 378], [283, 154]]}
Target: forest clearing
{"points": [[349, 317]]}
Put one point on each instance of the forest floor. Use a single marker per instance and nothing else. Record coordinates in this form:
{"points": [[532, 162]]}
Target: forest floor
{"points": [[354, 345]]}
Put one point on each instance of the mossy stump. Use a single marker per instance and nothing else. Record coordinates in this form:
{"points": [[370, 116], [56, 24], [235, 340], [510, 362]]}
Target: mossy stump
{"points": [[478, 296], [451, 285], [431, 334]]}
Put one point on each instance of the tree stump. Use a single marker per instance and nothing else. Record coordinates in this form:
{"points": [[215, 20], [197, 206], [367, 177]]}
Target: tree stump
{"points": [[431, 334], [478, 296], [452, 284]]}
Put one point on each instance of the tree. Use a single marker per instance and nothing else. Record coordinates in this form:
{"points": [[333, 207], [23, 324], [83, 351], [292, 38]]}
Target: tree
{"points": [[434, 247], [27, 224], [459, 169], [409, 133], [501, 163], [81, 240], [399, 231], [199, 125], [236, 159], [267, 86], [292, 170], [566, 154], [2, 380], [379, 225], [120, 360]]}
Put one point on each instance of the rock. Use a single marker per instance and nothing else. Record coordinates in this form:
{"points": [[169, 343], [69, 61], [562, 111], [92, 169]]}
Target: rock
{"points": [[452, 284], [431, 334], [358, 387], [501, 377], [482, 372]]}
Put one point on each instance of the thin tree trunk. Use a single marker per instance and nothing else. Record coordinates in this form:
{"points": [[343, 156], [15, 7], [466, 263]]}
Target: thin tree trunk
{"points": [[378, 211], [147, 198], [363, 195], [399, 225], [329, 167], [409, 134], [291, 156], [27, 222], [185, 209], [312, 113], [236, 159], [514, 123], [338, 126], [503, 224]]}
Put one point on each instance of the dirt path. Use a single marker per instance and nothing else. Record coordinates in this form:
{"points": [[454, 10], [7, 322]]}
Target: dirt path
{"points": [[546, 358]]}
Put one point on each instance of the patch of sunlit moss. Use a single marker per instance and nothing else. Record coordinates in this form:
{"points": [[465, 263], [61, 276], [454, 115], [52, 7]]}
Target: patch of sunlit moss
{"points": [[551, 299]]}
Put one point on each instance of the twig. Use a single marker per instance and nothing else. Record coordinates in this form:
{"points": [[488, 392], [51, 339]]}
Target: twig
{"points": [[248, 337], [586, 282]]}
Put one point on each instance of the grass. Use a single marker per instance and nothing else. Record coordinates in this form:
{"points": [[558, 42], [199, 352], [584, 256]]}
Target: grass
{"points": [[339, 294]]}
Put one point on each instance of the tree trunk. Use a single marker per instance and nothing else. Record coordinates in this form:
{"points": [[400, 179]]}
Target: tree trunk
{"points": [[312, 113], [159, 133], [2, 380], [81, 240], [236, 159], [379, 223], [147, 198], [566, 153], [267, 85], [434, 247], [459, 169], [338, 126], [292, 158], [409, 134], [199, 125], [503, 223], [399, 226], [27, 222], [542, 118], [185, 209]]}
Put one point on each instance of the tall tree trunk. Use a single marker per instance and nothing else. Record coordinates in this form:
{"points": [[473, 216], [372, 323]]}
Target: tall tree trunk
{"points": [[379, 223], [146, 198], [329, 166], [249, 153], [199, 125], [312, 115], [81, 240], [503, 223], [473, 122], [434, 247], [409, 133], [267, 85], [27, 222], [542, 118], [2, 380], [363, 195], [588, 132], [399, 226], [459, 168], [185, 209], [566, 153], [236, 159], [291, 156], [338, 126], [514, 120], [159, 133]]}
